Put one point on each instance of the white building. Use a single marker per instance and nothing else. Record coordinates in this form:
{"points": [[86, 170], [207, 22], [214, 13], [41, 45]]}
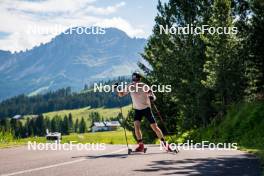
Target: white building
{"points": [[17, 117], [105, 126], [112, 125], [98, 126]]}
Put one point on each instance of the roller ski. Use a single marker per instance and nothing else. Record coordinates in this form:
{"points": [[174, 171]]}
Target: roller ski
{"points": [[168, 148], [139, 149]]}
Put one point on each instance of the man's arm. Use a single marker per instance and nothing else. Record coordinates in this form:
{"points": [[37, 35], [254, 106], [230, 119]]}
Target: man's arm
{"points": [[119, 92], [152, 96]]}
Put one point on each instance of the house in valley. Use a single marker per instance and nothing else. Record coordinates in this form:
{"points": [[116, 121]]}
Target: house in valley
{"points": [[105, 126]]}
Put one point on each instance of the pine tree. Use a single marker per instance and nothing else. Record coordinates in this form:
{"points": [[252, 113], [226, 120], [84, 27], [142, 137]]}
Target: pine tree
{"points": [[31, 127], [40, 126], [48, 123], [255, 61], [5, 124], [55, 124], [65, 125], [95, 117], [82, 126], [27, 127], [76, 126], [224, 69], [70, 123], [16, 127]]}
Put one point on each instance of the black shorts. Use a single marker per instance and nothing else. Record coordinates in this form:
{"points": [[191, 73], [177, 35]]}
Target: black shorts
{"points": [[146, 113]]}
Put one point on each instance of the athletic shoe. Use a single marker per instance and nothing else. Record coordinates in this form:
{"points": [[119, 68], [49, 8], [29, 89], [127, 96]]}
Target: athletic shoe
{"points": [[167, 146], [140, 148]]}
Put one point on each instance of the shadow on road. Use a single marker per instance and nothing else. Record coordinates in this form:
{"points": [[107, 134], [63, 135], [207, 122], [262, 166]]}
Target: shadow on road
{"points": [[103, 156], [108, 156], [116, 155], [246, 165]]}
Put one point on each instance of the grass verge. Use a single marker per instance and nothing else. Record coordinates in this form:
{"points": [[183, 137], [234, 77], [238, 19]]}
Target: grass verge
{"points": [[107, 137], [243, 124]]}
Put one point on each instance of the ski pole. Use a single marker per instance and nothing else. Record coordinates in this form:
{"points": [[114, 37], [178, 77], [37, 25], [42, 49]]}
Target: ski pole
{"points": [[123, 119], [123, 125], [162, 121]]}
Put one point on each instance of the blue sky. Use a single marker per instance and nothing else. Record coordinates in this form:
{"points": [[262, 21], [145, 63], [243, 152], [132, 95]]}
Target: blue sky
{"points": [[18, 17]]}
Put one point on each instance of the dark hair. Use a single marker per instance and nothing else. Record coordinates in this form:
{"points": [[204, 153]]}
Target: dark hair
{"points": [[136, 76]]}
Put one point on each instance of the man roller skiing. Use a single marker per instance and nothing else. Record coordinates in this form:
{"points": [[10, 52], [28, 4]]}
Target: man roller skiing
{"points": [[141, 98]]}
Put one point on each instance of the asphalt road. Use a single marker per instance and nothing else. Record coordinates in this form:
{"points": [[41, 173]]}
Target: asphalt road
{"points": [[115, 161]]}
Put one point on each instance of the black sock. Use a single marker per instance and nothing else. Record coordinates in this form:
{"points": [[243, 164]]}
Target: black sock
{"points": [[163, 141], [140, 141]]}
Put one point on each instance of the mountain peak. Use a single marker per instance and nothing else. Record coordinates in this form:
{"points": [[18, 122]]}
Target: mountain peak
{"points": [[70, 60]]}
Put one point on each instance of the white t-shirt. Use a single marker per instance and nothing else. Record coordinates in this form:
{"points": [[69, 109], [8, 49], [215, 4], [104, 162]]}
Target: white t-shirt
{"points": [[139, 93]]}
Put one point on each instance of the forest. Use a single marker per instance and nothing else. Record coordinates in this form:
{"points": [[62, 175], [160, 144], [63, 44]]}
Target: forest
{"points": [[209, 73], [61, 99]]}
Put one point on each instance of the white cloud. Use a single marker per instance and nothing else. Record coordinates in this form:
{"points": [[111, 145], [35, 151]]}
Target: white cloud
{"points": [[123, 25], [47, 6], [18, 16], [57, 6], [18, 41], [104, 11]]}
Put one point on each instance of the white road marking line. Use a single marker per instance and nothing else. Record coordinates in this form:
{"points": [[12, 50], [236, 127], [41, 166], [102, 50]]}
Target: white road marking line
{"points": [[44, 167], [59, 164]]}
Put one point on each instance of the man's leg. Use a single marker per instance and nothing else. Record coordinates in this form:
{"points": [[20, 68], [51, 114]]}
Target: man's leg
{"points": [[137, 121], [149, 115], [157, 130], [137, 130]]}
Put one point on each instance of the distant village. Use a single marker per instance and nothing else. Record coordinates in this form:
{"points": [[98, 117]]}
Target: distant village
{"points": [[96, 126]]}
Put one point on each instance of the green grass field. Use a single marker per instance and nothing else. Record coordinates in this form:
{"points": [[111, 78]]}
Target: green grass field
{"points": [[107, 137], [110, 137], [106, 113]]}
